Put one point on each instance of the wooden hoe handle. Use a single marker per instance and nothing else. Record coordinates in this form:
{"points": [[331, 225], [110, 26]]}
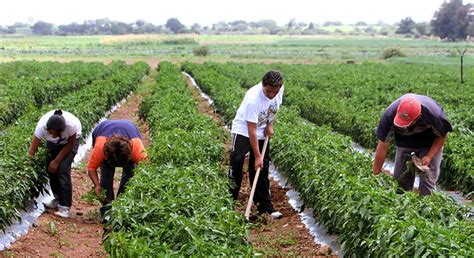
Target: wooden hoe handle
{"points": [[254, 185]]}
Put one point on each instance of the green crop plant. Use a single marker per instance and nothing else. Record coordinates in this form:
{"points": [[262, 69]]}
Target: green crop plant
{"points": [[177, 203], [369, 215], [22, 178]]}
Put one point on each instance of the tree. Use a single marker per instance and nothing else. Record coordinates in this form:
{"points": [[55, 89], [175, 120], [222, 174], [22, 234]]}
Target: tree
{"points": [[370, 30], [103, 26], [470, 30], [220, 27], [269, 24], [120, 28], [139, 23], [238, 25], [451, 21], [174, 25], [70, 29], [423, 28], [332, 23], [7, 30], [291, 24], [406, 26], [361, 23], [42, 28], [196, 28]]}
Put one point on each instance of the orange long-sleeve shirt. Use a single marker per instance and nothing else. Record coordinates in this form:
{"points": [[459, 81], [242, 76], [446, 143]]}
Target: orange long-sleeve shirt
{"points": [[98, 156]]}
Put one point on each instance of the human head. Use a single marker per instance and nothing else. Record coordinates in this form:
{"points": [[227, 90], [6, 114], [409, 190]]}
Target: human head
{"points": [[408, 111], [56, 123], [117, 150], [272, 82]]}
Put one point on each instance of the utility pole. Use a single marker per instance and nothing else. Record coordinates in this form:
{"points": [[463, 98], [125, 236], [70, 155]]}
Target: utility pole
{"points": [[461, 53]]}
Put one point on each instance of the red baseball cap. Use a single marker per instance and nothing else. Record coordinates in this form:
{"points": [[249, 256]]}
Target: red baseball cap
{"points": [[408, 111]]}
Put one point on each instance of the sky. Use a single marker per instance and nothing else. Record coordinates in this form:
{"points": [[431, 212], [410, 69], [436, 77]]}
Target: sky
{"points": [[208, 12]]}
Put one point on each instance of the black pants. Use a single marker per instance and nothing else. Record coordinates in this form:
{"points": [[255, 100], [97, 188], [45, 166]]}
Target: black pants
{"points": [[240, 146], [61, 180], [107, 179]]}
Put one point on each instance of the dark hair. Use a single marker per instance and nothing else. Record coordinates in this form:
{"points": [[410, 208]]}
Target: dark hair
{"points": [[272, 78], [56, 121], [118, 150]]}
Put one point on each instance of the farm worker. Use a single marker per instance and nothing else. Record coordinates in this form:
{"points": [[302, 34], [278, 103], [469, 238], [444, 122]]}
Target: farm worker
{"points": [[254, 121], [418, 124], [116, 143], [62, 131]]}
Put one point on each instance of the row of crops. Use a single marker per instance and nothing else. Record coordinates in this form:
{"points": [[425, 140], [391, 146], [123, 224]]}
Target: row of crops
{"points": [[351, 99], [95, 90], [177, 203], [28, 85], [366, 212]]}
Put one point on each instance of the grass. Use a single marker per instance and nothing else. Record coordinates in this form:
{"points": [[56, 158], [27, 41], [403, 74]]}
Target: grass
{"points": [[93, 215], [270, 245], [52, 229]]}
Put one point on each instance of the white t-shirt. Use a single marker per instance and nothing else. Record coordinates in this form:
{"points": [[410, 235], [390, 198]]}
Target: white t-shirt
{"points": [[73, 126], [256, 108]]}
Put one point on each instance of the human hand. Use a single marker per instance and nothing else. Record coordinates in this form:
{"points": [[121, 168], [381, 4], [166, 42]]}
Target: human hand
{"points": [[269, 131], [426, 160], [97, 190], [53, 166], [258, 163]]}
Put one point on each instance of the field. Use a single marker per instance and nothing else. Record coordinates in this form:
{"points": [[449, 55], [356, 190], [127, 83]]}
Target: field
{"points": [[257, 48], [336, 90]]}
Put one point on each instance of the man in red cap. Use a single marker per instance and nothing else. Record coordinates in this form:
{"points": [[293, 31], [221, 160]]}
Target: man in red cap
{"points": [[418, 124]]}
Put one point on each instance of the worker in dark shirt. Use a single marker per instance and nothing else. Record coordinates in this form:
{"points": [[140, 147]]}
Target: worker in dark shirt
{"points": [[418, 124]]}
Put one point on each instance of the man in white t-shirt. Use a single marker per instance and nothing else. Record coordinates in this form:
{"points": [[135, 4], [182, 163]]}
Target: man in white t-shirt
{"points": [[254, 121], [62, 131]]}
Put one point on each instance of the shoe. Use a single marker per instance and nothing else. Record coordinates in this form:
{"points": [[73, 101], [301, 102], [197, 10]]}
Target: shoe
{"points": [[63, 212], [276, 215], [53, 204], [104, 213]]}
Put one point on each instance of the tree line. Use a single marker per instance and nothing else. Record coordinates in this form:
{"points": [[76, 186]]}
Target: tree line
{"points": [[453, 21]]}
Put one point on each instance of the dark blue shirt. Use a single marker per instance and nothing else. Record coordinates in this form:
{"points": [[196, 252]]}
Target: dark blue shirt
{"points": [[432, 123], [108, 128]]}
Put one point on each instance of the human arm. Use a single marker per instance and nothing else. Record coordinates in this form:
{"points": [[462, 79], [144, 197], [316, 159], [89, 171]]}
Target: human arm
{"points": [[53, 165], [252, 130], [96, 158], [139, 153], [438, 143], [269, 131], [95, 180], [380, 155], [35, 142]]}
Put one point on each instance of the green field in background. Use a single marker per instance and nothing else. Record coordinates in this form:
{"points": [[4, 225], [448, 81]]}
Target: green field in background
{"points": [[243, 48]]}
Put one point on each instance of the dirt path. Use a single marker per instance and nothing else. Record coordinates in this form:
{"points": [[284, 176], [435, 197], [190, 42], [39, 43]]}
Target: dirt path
{"points": [[80, 235], [283, 237]]}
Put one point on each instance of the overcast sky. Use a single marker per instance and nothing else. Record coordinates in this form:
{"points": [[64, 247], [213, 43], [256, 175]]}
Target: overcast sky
{"points": [[208, 12]]}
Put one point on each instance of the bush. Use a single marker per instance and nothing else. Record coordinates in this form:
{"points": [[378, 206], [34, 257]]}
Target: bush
{"points": [[183, 41], [391, 52], [453, 53], [201, 51]]}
